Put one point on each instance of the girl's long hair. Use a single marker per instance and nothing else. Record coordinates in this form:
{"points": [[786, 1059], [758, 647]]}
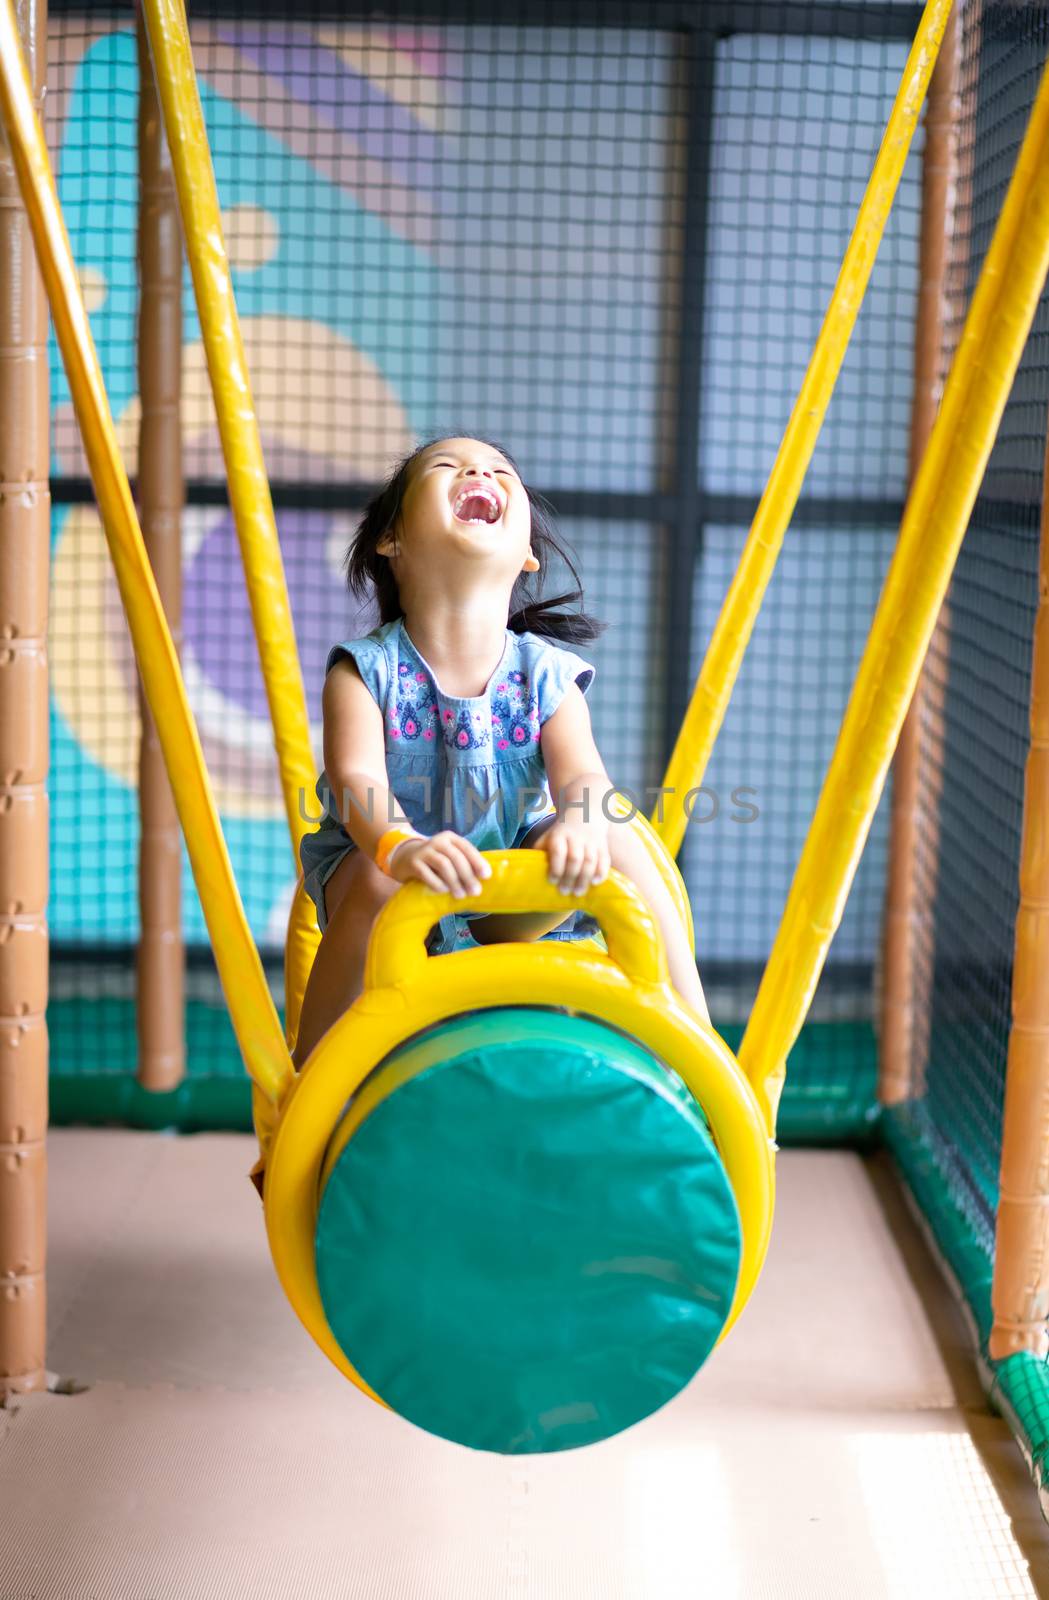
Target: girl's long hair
{"points": [[367, 571]]}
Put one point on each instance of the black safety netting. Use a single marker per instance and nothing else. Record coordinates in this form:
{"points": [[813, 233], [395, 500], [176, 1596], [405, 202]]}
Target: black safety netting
{"points": [[976, 731], [603, 235]]}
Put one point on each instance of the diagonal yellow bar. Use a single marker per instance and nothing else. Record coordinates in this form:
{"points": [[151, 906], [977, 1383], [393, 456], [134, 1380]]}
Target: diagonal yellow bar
{"points": [[249, 491], [724, 657], [244, 984], [934, 522]]}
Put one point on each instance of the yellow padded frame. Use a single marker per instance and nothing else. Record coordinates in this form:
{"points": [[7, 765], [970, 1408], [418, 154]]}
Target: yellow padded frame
{"points": [[406, 991]]}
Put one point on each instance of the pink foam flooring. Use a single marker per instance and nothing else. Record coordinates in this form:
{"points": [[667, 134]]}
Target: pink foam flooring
{"points": [[836, 1447]]}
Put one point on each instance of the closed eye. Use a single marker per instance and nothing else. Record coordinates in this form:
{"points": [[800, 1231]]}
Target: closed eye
{"points": [[500, 472]]}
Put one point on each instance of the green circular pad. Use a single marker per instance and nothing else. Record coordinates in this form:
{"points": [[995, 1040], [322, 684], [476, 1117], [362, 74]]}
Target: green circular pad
{"points": [[530, 1243]]}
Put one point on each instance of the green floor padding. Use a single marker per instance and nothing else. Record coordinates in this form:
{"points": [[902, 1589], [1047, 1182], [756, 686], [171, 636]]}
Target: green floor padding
{"points": [[1018, 1386], [829, 1096]]}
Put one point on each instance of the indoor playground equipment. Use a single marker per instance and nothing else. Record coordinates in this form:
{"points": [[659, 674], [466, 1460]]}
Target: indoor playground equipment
{"points": [[519, 1195]]}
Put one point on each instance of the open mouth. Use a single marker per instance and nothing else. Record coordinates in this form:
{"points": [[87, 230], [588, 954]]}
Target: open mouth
{"points": [[476, 503]]}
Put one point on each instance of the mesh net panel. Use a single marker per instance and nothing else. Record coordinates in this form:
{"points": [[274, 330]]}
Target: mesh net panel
{"points": [[604, 235], [796, 124], [975, 732]]}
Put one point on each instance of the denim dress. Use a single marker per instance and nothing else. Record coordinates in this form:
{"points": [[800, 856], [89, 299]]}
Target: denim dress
{"points": [[469, 763]]}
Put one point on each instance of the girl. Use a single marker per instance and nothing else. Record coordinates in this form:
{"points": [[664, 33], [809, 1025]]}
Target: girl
{"points": [[450, 727]]}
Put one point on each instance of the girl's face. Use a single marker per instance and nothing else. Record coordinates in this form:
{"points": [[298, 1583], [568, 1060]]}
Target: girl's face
{"points": [[464, 501]]}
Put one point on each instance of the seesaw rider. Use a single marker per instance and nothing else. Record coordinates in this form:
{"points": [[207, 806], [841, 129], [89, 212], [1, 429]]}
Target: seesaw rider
{"points": [[460, 718]]}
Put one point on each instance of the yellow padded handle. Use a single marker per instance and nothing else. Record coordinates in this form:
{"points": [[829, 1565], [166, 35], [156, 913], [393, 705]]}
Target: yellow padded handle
{"points": [[519, 882]]}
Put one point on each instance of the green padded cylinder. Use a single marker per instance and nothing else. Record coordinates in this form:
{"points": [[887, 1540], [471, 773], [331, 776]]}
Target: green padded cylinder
{"points": [[529, 1242]]}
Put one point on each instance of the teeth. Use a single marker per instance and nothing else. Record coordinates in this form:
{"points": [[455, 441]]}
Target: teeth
{"points": [[483, 493]]}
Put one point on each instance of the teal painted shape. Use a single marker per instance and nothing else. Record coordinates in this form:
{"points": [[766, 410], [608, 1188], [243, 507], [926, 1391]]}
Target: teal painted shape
{"points": [[338, 265], [532, 1243]]}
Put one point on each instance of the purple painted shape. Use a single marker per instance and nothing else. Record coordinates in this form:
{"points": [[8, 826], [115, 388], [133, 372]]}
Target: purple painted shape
{"points": [[216, 617], [381, 128]]}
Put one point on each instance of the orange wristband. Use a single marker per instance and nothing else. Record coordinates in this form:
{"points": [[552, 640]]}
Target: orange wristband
{"points": [[399, 834]]}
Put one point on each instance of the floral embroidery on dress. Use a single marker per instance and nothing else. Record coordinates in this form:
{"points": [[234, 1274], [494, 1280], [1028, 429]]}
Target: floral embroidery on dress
{"points": [[477, 757], [515, 714], [497, 732], [415, 714], [459, 733]]}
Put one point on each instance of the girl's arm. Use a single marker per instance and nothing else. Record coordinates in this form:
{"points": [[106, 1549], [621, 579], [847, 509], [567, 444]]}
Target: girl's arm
{"points": [[577, 845], [355, 758], [355, 764], [578, 781]]}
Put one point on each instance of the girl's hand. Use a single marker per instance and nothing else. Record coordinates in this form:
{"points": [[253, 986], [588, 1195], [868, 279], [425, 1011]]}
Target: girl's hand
{"points": [[446, 862], [577, 854]]}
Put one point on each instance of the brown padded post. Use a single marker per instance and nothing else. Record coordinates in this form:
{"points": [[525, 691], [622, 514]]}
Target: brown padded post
{"points": [[1020, 1288], [25, 541]]}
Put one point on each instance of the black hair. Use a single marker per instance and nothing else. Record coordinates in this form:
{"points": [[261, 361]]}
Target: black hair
{"points": [[366, 570]]}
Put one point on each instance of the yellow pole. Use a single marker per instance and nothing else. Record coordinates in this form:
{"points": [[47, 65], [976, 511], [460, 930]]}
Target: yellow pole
{"points": [[160, 1011], [717, 678], [238, 426], [251, 1006], [934, 522]]}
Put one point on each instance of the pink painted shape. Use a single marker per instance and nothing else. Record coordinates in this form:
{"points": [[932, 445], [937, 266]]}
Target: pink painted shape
{"points": [[422, 48]]}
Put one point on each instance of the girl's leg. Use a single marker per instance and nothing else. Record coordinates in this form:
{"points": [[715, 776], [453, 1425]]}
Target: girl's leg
{"points": [[353, 897], [630, 857], [509, 926]]}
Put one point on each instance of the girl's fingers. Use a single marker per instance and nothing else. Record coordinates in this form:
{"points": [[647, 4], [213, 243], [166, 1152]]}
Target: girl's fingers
{"points": [[442, 873], [555, 860], [457, 867], [574, 867], [446, 865], [561, 867], [482, 867], [594, 869], [455, 872], [428, 876], [466, 875], [574, 864], [453, 878], [585, 874], [467, 862]]}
